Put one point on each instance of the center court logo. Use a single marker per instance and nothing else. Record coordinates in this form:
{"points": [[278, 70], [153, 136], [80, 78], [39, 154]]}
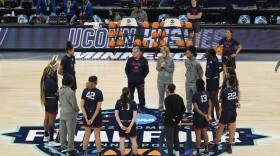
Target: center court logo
{"points": [[150, 137]]}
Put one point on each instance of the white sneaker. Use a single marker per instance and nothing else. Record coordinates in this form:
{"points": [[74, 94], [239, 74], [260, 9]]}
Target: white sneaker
{"points": [[177, 153], [46, 138], [53, 144]]}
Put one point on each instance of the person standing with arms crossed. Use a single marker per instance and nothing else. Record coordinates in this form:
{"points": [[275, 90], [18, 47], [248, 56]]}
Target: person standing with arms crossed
{"points": [[194, 13], [193, 73], [67, 65], [136, 69], [165, 68]]}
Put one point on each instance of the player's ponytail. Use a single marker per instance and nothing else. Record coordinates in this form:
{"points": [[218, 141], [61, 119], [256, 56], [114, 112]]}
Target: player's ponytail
{"points": [[233, 73], [48, 71], [125, 99]]}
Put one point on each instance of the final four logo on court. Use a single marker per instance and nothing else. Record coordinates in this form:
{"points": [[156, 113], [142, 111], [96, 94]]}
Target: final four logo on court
{"points": [[150, 137]]}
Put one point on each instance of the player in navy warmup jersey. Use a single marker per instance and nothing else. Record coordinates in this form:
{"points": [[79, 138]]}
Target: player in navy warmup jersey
{"points": [[202, 110], [49, 94], [125, 113], [91, 101], [229, 44], [229, 103], [67, 64], [212, 74], [136, 69]]}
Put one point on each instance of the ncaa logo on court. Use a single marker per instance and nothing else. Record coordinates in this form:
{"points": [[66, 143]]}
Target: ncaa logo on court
{"points": [[150, 137]]}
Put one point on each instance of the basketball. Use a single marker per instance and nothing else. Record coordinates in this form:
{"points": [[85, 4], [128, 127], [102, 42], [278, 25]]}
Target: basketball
{"points": [[120, 42], [155, 35], [155, 25], [161, 24], [180, 43], [119, 23], [145, 43], [137, 42], [112, 25], [119, 33], [155, 44], [162, 43], [188, 25], [162, 33], [219, 51], [111, 33], [145, 25], [112, 43]]}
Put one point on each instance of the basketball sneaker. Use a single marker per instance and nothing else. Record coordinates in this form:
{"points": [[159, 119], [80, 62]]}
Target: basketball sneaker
{"points": [[46, 138], [53, 144]]}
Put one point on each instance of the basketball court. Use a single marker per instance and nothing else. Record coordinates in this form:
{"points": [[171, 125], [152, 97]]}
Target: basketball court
{"points": [[21, 114]]}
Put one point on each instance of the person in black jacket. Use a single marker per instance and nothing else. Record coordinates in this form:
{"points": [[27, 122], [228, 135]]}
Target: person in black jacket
{"points": [[174, 110], [136, 69]]}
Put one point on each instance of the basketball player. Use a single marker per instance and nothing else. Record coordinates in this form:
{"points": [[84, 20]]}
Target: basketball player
{"points": [[125, 114], [212, 74], [68, 116], [174, 110], [136, 69], [194, 72], [91, 101], [202, 110], [194, 13], [49, 93], [67, 65], [229, 100], [165, 68], [229, 44]]}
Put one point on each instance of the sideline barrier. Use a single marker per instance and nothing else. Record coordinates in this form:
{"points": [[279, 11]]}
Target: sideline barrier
{"points": [[89, 39]]}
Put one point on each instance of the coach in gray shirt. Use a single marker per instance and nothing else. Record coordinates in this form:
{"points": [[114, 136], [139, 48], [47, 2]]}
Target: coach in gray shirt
{"points": [[68, 115], [165, 68], [139, 14]]}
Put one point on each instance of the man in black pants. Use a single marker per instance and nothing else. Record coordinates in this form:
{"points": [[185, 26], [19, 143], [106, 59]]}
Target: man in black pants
{"points": [[175, 108], [136, 69]]}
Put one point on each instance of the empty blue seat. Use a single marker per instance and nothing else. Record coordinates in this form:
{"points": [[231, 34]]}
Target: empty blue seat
{"points": [[183, 18], [244, 19], [162, 17], [260, 20], [22, 18]]}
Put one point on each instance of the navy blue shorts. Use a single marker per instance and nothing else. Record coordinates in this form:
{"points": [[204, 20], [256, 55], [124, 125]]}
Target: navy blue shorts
{"points": [[228, 116], [212, 85], [97, 122], [229, 63], [199, 121], [51, 106], [132, 132]]}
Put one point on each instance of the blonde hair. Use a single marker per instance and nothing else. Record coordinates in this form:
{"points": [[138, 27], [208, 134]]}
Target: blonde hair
{"points": [[166, 49], [136, 48], [89, 85], [48, 71]]}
